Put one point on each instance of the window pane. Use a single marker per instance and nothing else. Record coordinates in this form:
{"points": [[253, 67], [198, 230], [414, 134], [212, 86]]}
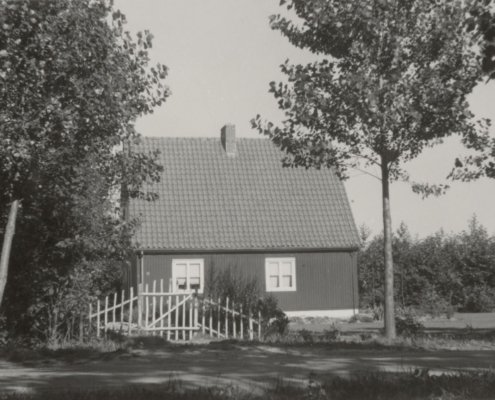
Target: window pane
{"points": [[272, 268], [180, 270], [274, 281], [194, 270], [194, 283], [285, 268], [286, 281], [181, 283]]}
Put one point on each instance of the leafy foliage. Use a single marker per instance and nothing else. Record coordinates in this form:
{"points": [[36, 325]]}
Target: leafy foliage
{"points": [[73, 81], [408, 324], [485, 23], [481, 162], [244, 291], [391, 81], [274, 320], [436, 275], [232, 283]]}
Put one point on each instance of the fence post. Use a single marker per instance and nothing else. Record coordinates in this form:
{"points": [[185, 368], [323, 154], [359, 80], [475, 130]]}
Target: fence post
{"points": [[161, 307], [122, 298], [210, 317], [146, 306], [241, 321], [183, 317], [176, 317], [89, 318], [191, 306], [169, 319], [106, 316], [98, 318], [140, 305], [227, 318], [234, 325], [131, 299], [203, 317], [250, 325], [153, 316], [114, 311], [196, 304], [218, 319]]}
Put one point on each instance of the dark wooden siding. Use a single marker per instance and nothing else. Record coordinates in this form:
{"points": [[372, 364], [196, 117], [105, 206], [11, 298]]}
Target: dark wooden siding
{"points": [[324, 280], [132, 276]]}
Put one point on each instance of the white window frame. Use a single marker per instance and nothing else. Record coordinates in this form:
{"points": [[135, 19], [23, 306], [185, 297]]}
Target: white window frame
{"points": [[290, 260], [188, 261]]}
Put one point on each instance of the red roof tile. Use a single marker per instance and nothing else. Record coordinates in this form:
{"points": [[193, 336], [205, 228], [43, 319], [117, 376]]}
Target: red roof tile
{"points": [[210, 201]]}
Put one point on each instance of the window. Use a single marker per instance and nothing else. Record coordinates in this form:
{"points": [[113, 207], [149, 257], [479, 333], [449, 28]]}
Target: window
{"points": [[187, 275], [280, 274]]}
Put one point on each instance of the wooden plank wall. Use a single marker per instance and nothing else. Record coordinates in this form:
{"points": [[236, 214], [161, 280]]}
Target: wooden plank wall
{"points": [[325, 280]]}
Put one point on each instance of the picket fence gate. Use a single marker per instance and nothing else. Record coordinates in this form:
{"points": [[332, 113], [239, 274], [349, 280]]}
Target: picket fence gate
{"points": [[177, 316]]}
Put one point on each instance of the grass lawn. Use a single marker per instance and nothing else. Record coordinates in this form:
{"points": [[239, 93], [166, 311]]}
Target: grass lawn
{"points": [[464, 331], [459, 321]]}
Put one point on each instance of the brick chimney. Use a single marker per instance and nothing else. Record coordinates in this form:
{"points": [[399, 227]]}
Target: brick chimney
{"points": [[227, 137]]}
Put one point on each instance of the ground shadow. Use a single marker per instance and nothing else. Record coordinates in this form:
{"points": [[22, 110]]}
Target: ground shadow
{"points": [[247, 366]]}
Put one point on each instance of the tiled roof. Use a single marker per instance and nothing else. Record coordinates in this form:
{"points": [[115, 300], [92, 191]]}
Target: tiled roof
{"points": [[210, 201]]}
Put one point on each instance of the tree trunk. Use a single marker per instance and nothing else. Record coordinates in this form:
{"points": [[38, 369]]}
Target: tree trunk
{"points": [[7, 244], [389, 316]]}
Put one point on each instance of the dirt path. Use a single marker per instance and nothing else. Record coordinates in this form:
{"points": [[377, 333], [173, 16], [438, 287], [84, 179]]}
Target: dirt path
{"points": [[246, 366]]}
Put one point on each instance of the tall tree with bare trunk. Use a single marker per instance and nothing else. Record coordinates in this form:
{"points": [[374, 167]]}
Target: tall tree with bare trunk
{"points": [[390, 79]]}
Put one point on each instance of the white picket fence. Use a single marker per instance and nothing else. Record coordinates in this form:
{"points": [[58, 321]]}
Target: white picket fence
{"points": [[229, 322], [116, 317], [176, 316]]}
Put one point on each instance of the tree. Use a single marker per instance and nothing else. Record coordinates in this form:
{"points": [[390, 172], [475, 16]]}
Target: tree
{"points": [[73, 81], [475, 263], [485, 23], [391, 79], [370, 267], [438, 274]]}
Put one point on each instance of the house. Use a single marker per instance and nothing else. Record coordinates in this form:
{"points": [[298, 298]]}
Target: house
{"points": [[227, 202]]}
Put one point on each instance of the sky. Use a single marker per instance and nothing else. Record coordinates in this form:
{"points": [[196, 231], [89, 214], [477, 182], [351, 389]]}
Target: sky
{"points": [[221, 56]]}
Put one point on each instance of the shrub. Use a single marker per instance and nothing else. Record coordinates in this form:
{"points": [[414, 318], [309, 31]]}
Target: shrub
{"points": [[433, 304], [306, 336], [480, 299], [378, 312], [244, 290], [273, 319], [3, 330], [234, 284], [330, 335], [368, 317], [407, 324]]}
